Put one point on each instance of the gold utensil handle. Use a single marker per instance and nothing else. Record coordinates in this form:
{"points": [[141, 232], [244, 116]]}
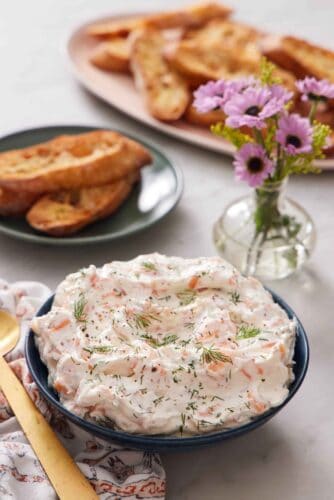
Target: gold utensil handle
{"points": [[65, 476]]}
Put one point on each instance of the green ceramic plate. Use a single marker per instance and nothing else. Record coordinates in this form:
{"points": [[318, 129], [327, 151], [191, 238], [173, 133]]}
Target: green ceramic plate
{"points": [[154, 197]]}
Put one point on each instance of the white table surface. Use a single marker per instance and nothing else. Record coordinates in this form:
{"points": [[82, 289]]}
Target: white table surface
{"points": [[292, 456]]}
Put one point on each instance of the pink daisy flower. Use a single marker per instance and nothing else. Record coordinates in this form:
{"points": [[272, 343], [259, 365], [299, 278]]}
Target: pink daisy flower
{"points": [[213, 95], [281, 94], [252, 164], [294, 133], [244, 83], [251, 108], [315, 90]]}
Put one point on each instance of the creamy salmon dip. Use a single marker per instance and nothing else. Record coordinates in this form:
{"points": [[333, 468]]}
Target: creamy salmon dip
{"points": [[166, 345]]}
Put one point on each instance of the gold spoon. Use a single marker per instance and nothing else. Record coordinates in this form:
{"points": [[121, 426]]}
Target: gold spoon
{"points": [[65, 476]]}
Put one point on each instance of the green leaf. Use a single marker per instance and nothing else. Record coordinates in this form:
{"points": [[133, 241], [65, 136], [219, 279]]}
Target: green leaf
{"points": [[218, 129], [267, 70], [235, 136], [320, 134]]}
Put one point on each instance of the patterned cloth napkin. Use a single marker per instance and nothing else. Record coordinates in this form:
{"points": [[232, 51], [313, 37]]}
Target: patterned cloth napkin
{"points": [[115, 472]]}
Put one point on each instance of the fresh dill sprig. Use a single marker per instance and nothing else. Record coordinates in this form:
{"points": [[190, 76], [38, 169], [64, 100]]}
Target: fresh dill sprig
{"points": [[183, 421], [235, 297], [149, 266], [210, 354], [79, 309], [168, 339], [98, 348], [144, 320], [193, 392], [191, 406], [247, 331], [157, 400], [216, 397], [186, 296]]}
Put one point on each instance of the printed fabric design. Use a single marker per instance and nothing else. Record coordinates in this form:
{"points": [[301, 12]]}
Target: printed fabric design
{"points": [[114, 472]]}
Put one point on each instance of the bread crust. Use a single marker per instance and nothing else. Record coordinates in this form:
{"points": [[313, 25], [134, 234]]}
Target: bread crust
{"points": [[16, 203], [114, 29], [194, 16], [221, 49], [71, 162], [66, 212], [204, 119], [113, 55], [300, 57]]}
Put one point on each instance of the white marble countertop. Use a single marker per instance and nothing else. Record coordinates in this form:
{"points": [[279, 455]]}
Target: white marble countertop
{"points": [[292, 456]]}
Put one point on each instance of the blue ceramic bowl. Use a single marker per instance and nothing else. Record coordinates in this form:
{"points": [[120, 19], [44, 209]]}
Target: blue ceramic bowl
{"points": [[39, 373]]}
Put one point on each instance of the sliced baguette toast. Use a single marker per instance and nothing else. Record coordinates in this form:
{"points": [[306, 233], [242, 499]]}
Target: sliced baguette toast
{"points": [[300, 57], [203, 119], [165, 92], [71, 162], [115, 29], [16, 203], [113, 55], [196, 15], [66, 212], [221, 49]]}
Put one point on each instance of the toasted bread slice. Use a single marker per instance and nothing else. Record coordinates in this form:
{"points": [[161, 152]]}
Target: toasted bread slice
{"points": [[221, 49], [66, 212], [113, 55], [115, 29], [233, 34], [71, 162], [16, 203], [196, 15], [203, 119], [165, 92], [300, 57]]}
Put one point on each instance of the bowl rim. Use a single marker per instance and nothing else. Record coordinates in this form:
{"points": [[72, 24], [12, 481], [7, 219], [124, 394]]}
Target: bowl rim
{"points": [[167, 441]]}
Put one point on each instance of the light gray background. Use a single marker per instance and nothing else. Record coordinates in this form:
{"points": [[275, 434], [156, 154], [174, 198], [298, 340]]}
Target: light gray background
{"points": [[291, 457]]}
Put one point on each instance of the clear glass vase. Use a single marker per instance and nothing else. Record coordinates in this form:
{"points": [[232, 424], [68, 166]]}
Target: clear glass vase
{"points": [[265, 234]]}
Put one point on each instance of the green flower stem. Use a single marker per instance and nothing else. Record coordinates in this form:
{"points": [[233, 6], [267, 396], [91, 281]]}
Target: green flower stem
{"points": [[313, 110], [270, 225], [265, 213], [249, 254], [259, 138], [266, 208], [260, 247], [278, 169]]}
